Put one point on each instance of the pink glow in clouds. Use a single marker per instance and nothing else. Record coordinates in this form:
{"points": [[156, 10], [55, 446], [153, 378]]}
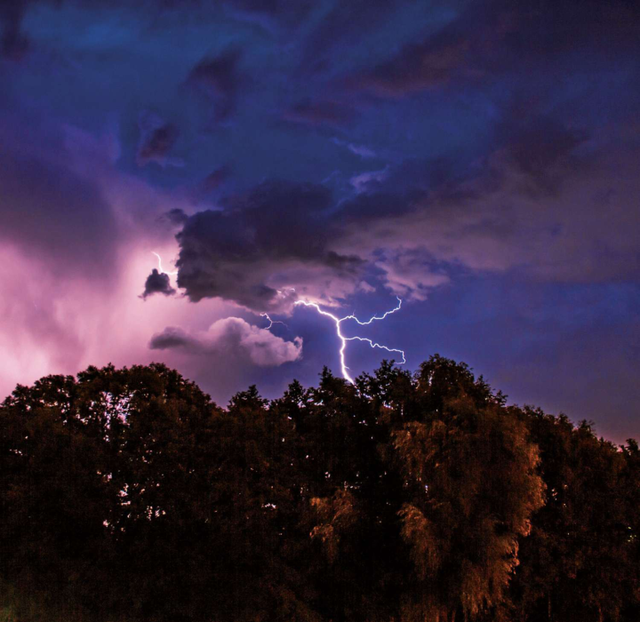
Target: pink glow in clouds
{"points": [[63, 325], [67, 299]]}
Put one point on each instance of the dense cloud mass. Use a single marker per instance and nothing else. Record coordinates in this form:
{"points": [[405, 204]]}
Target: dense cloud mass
{"points": [[477, 159], [157, 137], [217, 78], [265, 248], [539, 208], [535, 204], [232, 337], [158, 283], [497, 37]]}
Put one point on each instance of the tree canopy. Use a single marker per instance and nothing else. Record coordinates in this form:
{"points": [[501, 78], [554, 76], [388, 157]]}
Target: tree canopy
{"points": [[127, 494]]}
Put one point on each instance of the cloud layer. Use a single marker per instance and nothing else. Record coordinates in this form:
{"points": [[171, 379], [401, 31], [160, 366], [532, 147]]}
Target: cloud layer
{"points": [[157, 283], [266, 248], [231, 337], [477, 159]]}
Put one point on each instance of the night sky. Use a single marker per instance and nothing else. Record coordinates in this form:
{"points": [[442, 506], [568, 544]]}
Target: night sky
{"points": [[479, 160]]}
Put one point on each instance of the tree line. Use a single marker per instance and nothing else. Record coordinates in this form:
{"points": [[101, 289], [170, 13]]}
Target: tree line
{"points": [[127, 494]]}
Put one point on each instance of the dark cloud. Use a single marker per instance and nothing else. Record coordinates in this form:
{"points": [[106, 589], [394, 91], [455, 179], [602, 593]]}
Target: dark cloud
{"points": [[416, 68], [541, 149], [263, 244], [215, 179], [533, 204], [173, 337], [218, 79], [288, 13], [232, 337], [543, 205], [491, 38], [211, 182], [176, 216], [157, 138], [157, 283], [320, 113], [14, 42]]}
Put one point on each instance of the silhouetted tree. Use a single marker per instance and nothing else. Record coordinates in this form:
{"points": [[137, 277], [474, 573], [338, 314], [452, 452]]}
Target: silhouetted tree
{"points": [[127, 494], [579, 561]]}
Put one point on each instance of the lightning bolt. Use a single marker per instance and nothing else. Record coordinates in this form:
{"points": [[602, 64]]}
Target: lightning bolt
{"points": [[160, 265], [343, 340], [271, 322], [336, 320]]}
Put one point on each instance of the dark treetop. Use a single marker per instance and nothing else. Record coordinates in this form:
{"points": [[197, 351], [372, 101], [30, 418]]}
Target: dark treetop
{"points": [[128, 495]]}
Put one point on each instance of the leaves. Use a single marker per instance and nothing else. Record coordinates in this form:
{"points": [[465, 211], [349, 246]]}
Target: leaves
{"points": [[127, 492]]}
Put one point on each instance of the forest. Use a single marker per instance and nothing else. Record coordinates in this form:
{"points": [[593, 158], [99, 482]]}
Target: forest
{"points": [[127, 495]]}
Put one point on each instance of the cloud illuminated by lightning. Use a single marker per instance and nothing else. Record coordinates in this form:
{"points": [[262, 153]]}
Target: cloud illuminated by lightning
{"points": [[343, 340], [271, 322], [338, 322], [160, 265]]}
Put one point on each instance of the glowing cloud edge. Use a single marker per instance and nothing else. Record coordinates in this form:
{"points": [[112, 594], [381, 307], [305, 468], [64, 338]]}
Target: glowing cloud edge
{"points": [[338, 321], [160, 266]]}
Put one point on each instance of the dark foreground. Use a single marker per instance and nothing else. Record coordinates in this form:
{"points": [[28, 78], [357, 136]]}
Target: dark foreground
{"points": [[128, 495]]}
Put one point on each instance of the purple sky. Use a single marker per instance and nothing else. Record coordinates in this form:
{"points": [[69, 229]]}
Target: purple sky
{"points": [[480, 160]]}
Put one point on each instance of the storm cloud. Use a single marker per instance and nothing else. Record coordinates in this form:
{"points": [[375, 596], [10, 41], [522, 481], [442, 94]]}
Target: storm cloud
{"points": [[157, 138], [498, 37], [231, 337], [476, 159], [265, 249], [157, 283], [217, 78]]}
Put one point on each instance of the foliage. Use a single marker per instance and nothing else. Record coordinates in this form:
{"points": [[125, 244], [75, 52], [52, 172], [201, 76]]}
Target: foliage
{"points": [[128, 495]]}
